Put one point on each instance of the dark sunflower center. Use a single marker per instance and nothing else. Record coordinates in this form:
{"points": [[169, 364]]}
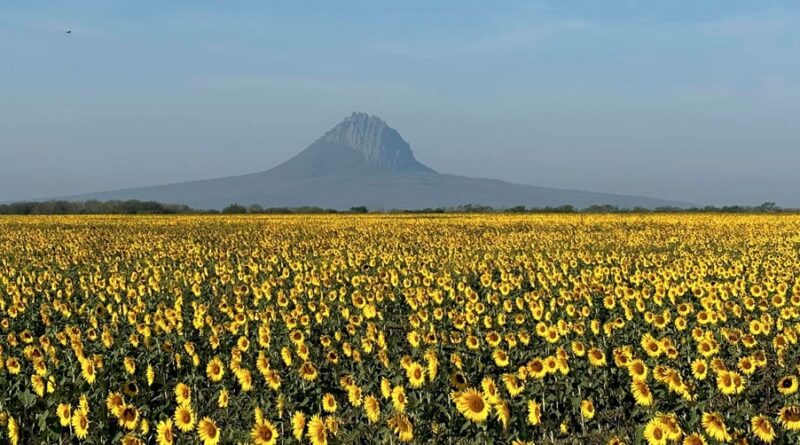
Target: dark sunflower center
{"points": [[476, 404]]}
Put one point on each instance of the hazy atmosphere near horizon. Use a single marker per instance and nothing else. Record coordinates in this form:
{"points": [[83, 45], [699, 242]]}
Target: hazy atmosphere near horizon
{"points": [[694, 101]]}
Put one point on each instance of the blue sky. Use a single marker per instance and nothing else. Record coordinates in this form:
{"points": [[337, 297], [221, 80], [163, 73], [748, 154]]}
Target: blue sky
{"points": [[691, 100]]}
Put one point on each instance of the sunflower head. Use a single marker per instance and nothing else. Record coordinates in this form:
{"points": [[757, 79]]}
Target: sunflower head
{"points": [[472, 405], [208, 431]]}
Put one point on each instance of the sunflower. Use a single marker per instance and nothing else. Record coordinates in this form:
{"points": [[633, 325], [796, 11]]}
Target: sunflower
{"points": [[399, 398], [694, 439], [298, 424], [144, 426], [223, 398], [183, 394], [296, 337], [500, 358], [164, 434], [654, 433], [641, 393], [88, 371], [402, 426], [245, 378], [308, 372], [150, 374], [652, 347], [458, 380], [597, 358], [762, 428], [215, 369], [717, 365], [354, 395], [130, 388], [262, 363], [699, 369], [534, 412], [787, 385], [536, 368], [789, 417], [739, 382], [622, 357], [550, 365], [714, 425], [332, 425], [131, 440], [725, 383], [80, 423], [472, 405], [637, 370], [13, 431], [746, 365], [184, 418], [263, 433], [129, 364], [432, 363], [373, 408], [513, 384], [13, 366], [329, 403], [316, 431], [208, 431], [38, 384], [128, 417], [490, 390], [670, 424], [587, 409], [503, 413], [274, 379], [64, 412], [416, 375]]}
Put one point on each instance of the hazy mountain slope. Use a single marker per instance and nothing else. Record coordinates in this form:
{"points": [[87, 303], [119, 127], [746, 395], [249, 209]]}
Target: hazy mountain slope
{"points": [[362, 161]]}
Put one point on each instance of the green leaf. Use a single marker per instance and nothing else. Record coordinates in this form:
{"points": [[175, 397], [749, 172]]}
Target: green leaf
{"points": [[42, 421], [27, 398]]}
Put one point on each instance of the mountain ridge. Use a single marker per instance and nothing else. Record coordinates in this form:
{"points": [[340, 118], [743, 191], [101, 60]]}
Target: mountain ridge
{"points": [[373, 139], [363, 161]]}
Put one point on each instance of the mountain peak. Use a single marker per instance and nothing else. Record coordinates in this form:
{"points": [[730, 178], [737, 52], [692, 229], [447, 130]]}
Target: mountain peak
{"points": [[373, 140], [363, 161]]}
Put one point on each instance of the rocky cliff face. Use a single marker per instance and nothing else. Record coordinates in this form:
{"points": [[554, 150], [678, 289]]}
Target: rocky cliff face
{"points": [[373, 140]]}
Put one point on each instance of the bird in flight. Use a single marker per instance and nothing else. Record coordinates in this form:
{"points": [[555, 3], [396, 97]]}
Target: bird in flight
{"points": [[69, 31]]}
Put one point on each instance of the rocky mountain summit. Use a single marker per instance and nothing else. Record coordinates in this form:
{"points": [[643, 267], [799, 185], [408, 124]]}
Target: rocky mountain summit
{"points": [[363, 162], [374, 141]]}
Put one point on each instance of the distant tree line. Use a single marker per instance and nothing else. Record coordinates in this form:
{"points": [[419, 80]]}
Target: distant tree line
{"points": [[236, 208], [767, 207], [136, 207], [93, 207]]}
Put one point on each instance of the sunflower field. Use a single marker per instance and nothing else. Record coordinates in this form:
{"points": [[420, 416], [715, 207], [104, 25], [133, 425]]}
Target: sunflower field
{"points": [[445, 329]]}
